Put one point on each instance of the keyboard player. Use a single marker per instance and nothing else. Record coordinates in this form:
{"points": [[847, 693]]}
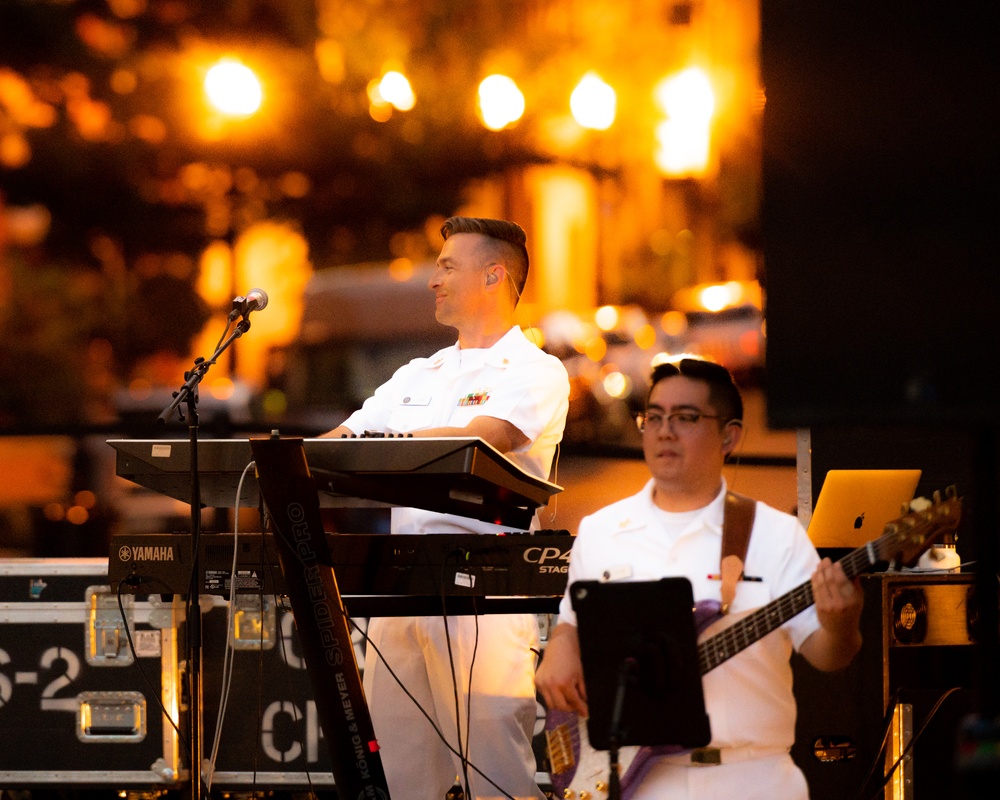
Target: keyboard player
{"points": [[494, 384]]}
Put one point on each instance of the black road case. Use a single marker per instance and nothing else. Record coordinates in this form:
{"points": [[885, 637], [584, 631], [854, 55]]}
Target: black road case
{"points": [[77, 705]]}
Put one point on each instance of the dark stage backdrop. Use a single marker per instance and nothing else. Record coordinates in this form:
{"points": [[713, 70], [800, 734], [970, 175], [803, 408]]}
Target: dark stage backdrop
{"points": [[880, 212], [880, 232]]}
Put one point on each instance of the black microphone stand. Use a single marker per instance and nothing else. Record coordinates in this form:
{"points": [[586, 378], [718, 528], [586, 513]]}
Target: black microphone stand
{"points": [[188, 394]]}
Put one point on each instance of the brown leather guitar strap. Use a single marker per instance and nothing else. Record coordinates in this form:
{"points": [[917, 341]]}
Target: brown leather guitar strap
{"points": [[737, 522]]}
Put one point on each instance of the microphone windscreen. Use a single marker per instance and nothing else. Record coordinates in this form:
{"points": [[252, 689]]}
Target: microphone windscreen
{"points": [[258, 297]]}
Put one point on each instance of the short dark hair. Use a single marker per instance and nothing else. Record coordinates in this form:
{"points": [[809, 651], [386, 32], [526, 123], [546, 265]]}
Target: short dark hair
{"points": [[507, 244], [722, 390]]}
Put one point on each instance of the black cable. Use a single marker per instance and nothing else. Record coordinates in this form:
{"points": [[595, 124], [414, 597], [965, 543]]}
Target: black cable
{"points": [[367, 640], [468, 695], [463, 750], [909, 745], [878, 759], [421, 709]]}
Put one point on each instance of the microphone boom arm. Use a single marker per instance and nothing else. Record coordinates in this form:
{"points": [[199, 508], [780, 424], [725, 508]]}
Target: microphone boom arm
{"points": [[194, 376]]}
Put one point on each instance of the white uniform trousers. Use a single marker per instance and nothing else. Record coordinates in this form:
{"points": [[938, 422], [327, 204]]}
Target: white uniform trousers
{"points": [[771, 778], [417, 764]]}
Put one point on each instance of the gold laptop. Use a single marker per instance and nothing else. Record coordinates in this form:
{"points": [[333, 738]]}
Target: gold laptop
{"points": [[855, 505]]}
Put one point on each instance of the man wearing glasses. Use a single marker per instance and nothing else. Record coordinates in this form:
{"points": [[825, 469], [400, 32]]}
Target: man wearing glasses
{"points": [[673, 528]]}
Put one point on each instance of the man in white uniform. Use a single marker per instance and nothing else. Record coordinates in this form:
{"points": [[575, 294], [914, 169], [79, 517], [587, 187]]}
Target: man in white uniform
{"points": [[673, 528], [496, 385]]}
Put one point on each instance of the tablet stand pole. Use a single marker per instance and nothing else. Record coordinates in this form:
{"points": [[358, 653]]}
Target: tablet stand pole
{"points": [[625, 672]]}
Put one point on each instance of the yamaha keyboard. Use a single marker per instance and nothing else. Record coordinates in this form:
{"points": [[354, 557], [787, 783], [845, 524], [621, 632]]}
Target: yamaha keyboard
{"points": [[378, 574], [463, 476], [291, 478]]}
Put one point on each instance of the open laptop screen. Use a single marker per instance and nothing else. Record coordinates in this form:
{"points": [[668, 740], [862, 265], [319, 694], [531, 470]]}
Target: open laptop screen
{"points": [[855, 505]]}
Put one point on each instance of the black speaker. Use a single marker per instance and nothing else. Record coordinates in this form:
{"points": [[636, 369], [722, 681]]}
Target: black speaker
{"points": [[914, 675], [880, 172]]}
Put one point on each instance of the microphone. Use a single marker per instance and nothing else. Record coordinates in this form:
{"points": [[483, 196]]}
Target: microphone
{"points": [[242, 306]]}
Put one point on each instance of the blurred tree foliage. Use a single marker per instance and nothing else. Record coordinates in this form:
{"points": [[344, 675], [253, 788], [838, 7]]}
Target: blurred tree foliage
{"points": [[49, 316], [102, 124], [120, 84], [69, 333]]}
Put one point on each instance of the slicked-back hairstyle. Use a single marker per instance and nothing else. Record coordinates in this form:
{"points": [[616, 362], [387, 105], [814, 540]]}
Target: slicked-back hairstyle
{"points": [[505, 244], [723, 393]]}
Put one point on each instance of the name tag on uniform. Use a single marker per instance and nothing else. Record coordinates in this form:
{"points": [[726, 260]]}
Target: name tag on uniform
{"points": [[618, 573], [413, 400]]}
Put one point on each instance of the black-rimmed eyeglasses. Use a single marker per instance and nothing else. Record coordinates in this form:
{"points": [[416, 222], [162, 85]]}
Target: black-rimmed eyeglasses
{"points": [[679, 421]]}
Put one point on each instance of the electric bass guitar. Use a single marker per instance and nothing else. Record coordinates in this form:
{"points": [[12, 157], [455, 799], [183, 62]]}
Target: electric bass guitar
{"points": [[579, 771]]}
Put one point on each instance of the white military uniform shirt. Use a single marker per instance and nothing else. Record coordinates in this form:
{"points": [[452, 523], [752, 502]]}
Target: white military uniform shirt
{"points": [[513, 380]]}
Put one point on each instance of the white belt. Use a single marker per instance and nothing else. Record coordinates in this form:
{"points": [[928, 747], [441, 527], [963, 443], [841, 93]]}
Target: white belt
{"points": [[713, 756]]}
